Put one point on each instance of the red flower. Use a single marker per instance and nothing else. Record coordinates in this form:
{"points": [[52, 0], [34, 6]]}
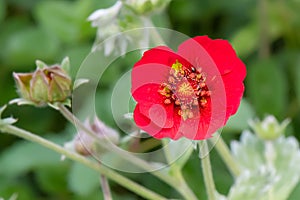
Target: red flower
{"points": [[191, 93]]}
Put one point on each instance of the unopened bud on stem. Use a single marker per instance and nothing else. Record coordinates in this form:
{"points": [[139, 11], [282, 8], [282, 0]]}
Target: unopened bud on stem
{"points": [[47, 84]]}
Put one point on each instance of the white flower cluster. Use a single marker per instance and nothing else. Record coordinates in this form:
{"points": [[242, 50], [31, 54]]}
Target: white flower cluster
{"points": [[269, 164], [113, 22]]}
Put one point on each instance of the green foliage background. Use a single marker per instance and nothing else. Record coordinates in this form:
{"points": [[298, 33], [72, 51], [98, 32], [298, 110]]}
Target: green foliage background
{"points": [[50, 30]]}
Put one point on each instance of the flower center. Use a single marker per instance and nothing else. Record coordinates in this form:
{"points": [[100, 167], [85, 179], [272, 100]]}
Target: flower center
{"points": [[186, 89]]}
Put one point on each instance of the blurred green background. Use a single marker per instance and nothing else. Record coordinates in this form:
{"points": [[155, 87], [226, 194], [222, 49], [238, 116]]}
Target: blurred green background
{"points": [[265, 34]]}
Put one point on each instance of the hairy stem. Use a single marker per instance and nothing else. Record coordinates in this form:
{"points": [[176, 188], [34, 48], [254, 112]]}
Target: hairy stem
{"points": [[206, 170], [176, 171], [105, 188], [129, 157], [226, 156], [125, 182]]}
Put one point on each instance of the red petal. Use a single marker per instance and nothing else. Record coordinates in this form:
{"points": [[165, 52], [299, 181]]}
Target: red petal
{"points": [[148, 93], [154, 67], [234, 93], [197, 54], [147, 125], [201, 50], [151, 105], [160, 55], [224, 71]]}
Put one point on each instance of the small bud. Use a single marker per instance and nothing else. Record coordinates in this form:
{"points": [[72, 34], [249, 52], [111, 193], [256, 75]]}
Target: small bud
{"points": [[44, 85], [86, 145], [146, 7], [269, 128]]}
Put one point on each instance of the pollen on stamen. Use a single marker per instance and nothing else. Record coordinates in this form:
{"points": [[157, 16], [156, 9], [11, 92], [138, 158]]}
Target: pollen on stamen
{"points": [[186, 89], [203, 102], [177, 102], [167, 101]]}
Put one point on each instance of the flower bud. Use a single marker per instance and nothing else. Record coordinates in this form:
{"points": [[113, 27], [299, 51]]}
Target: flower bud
{"points": [[146, 7], [44, 85], [86, 145], [269, 128]]}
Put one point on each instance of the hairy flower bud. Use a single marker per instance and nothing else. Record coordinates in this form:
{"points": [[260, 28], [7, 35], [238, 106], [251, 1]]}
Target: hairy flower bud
{"points": [[47, 84], [86, 145], [269, 128]]}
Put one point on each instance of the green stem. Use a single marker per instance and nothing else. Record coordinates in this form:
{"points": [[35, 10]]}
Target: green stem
{"points": [[226, 156], [129, 157], [125, 182], [177, 173], [264, 50], [107, 145], [105, 188], [206, 170]]}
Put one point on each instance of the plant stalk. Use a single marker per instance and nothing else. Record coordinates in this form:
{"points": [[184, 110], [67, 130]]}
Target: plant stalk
{"points": [[125, 182], [176, 171], [206, 170], [105, 188], [226, 156], [129, 157]]}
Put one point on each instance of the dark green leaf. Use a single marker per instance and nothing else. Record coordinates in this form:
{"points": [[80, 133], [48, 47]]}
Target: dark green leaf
{"points": [[66, 20], [24, 47], [297, 78], [52, 178], [83, 180], [2, 10], [267, 88], [245, 41], [24, 156], [239, 121]]}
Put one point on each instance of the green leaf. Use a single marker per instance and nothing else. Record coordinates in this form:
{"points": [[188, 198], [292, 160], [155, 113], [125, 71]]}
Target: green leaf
{"points": [[296, 193], [20, 50], [2, 10], [245, 41], [52, 178], [9, 188], [23, 5], [267, 88], [69, 22], [24, 156], [83, 180], [297, 78], [239, 121], [62, 23]]}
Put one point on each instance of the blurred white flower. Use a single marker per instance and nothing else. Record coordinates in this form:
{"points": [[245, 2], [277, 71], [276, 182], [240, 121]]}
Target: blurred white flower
{"points": [[269, 128], [269, 168], [111, 39], [104, 17], [114, 24]]}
